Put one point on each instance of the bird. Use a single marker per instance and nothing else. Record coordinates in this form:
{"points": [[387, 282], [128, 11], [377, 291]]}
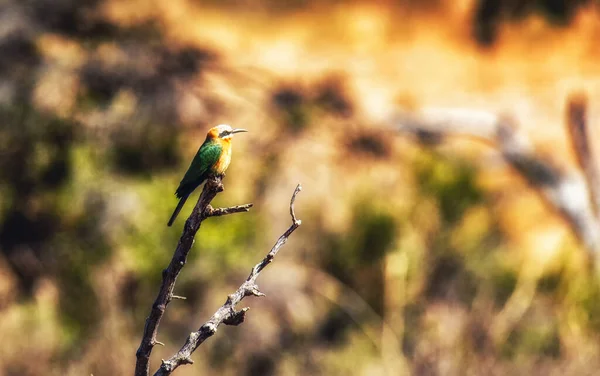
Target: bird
{"points": [[213, 158]]}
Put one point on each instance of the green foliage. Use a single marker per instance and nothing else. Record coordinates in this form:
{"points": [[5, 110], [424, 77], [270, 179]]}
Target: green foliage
{"points": [[36, 149], [80, 313], [355, 257], [460, 258], [370, 236], [537, 337], [504, 282], [452, 184], [584, 295], [35, 165], [144, 149], [550, 283], [44, 214]]}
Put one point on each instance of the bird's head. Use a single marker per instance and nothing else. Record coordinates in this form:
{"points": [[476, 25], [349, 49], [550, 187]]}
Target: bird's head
{"points": [[224, 132]]}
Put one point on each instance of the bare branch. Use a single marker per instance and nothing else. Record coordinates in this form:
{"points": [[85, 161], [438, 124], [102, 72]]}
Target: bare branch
{"points": [[211, 212], [565, 192], [578, 130], [201, 211], [227, 314]]}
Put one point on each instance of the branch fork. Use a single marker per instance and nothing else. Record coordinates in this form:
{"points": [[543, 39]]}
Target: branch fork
{"points": [[202, 211], [227, 313]]}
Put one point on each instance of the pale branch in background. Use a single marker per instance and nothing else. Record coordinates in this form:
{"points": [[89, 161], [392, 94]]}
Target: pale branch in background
{"points": [[565, 192], [578, 130], [201, 211], [227, 313]]}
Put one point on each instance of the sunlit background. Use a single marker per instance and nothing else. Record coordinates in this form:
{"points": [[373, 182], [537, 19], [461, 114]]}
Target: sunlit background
{"points": [[433, 258]]}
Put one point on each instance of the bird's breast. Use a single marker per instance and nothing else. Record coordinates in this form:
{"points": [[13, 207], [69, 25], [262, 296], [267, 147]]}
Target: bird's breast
{"points": [[224, 159]]}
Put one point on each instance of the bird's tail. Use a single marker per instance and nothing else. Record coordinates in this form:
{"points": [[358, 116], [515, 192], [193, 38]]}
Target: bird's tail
{"points": [[177, 209]]}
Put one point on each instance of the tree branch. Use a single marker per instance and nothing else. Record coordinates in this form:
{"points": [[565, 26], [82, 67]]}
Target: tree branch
{"points": [[227, 314], [565, 192], [225, 211], [201, 211]]}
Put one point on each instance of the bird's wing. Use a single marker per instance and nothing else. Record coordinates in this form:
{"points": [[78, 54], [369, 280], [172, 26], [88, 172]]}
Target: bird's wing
{"points": [[205, 158]]}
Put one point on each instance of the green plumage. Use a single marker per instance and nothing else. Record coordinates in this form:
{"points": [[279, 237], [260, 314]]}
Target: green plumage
{"points": [[201, 167]]}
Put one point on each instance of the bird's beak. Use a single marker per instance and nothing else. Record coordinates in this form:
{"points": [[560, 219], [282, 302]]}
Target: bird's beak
{"points": [[238, 130]]}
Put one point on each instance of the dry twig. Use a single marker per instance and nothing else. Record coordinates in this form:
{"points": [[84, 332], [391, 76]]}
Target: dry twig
{"points": [[227, 314], [201, 211]]}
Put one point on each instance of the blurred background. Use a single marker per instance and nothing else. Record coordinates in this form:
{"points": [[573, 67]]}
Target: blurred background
{"points": [[425, 258]]}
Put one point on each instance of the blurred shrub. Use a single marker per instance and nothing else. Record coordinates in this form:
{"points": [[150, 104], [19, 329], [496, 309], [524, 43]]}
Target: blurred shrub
{"points": [[297, 105], [355, 257], [367, 142], [293, 107], [35, 162], [144, 149], [332, 96], [489, 14], [452, 185]]}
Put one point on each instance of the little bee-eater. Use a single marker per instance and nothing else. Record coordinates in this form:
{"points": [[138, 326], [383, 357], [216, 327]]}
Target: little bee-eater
{"points": [[213, 157]]}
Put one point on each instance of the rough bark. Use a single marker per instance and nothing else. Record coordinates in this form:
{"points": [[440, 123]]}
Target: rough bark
{"points": [[201, 211]]}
